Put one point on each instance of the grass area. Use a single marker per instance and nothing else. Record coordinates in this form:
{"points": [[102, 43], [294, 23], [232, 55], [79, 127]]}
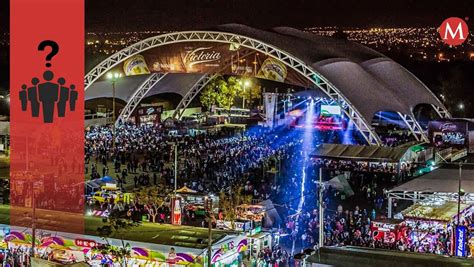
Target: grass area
{"points": [[165, 234]]}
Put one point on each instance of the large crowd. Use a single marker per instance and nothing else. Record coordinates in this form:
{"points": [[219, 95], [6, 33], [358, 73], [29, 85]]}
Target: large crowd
{"points": [[208, 162], [215, 162]]}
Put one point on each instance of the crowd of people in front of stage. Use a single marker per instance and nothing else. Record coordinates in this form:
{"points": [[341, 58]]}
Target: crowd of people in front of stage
{"points": [[210, 163], [207, 163]]}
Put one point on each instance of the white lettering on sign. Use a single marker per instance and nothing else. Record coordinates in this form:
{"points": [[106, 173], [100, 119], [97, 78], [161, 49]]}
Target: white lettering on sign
{"points": [[201, 55]]}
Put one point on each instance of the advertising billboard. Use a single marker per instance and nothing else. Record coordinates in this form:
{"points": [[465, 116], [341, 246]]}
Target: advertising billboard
{"points": [[444, 133], [210, 57], [135, 65], [176, 211], [460, 241], [148, 114]]}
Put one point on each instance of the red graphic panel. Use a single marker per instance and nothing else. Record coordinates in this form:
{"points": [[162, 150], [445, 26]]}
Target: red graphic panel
{"points": [[47, 114]]}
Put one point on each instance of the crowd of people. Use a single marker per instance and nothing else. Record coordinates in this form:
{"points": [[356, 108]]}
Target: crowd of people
{"points": [[216, 162], [363, 166], [15, 257], [272, 257]]}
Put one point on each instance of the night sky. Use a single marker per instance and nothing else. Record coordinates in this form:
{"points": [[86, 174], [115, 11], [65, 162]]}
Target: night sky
{"points": [[119, 15], [196, 14], [140, 15]]}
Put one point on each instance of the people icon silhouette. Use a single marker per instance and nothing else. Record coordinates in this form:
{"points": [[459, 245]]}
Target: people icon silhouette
{"points": [[23, 98], [48, 95], [73, 98], [33, 97], [63, 97]]}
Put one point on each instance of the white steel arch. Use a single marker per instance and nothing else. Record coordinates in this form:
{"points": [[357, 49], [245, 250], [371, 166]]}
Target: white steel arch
{"points": [[197, 87], [441, 111], [138, 95], [221, 37], [414, 127]]}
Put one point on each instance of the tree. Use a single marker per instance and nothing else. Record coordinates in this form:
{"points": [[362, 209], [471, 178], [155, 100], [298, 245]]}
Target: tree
{"points": [[252, 92], [229, 200], [222, 92], [151, 199], [115, 226], [228, 92], [210, 93]]}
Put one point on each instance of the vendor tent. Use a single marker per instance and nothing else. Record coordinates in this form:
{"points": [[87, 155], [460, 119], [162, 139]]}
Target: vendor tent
{"points": [[362, 153], [185, 189], [446, 212], [440, 184], [440, 180]]}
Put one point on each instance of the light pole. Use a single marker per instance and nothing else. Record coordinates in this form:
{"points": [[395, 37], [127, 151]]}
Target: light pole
{"points": [[113, 77], [321, 211], [459, 192], [175, 168], [175, 146], [33, 228], [208, 204]]}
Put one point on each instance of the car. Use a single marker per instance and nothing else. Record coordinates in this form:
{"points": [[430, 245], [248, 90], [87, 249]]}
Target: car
{"points": [[101, 197]]}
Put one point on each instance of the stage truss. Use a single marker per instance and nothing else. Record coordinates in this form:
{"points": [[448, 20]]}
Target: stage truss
{"points": [[138, 95], [296, 64], [420, 196], [221, 37], [414, 127], [191, 94]]}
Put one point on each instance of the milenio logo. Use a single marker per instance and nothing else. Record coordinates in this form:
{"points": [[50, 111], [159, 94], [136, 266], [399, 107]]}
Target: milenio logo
{"points": [[454, 31]]}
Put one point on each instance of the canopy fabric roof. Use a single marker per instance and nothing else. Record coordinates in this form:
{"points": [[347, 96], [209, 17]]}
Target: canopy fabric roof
{"points": [[185, 189], [358, 152], [445, 212], [370, 81], [439, 181], [179, 83], [364, 72]]}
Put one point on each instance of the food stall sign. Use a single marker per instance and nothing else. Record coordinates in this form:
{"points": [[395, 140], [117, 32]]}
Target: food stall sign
{"points": [[110, 186], [460, 247], [256, 230], [85, 243], [384, 226]]}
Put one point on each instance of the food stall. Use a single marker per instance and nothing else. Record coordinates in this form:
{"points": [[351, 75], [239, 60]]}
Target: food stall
{"points": [[193, 202], [229, 251], [259, 240], [389, 230], [441, 212], [108, 192], [427, 219], [251, 212]]}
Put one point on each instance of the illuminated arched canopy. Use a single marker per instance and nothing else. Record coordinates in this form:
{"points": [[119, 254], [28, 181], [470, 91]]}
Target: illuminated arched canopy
{"points": [[345, 71]]}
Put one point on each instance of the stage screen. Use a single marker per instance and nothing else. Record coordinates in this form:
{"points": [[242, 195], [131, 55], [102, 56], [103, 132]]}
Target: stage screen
{"points": [[330, 110], [447, 133]]}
